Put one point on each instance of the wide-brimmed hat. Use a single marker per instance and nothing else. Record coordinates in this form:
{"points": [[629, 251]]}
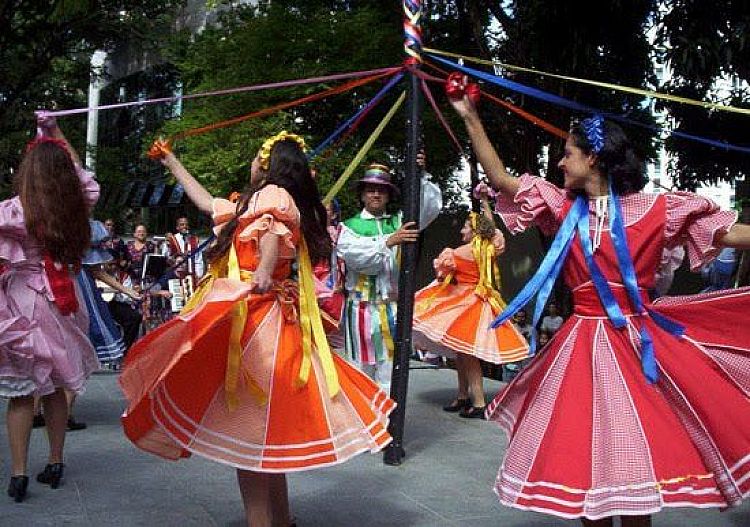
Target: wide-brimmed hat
{"points": [[377, 174]]}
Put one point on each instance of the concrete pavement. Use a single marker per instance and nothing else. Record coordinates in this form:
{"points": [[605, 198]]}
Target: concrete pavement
{"points": [[445, 481]]}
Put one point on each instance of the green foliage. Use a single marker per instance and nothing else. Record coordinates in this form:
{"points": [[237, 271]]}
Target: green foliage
{"points": [[45, 48], [288, 40], [704, 41]]}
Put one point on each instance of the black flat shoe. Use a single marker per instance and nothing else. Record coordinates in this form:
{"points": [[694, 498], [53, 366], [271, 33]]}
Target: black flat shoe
{"points": [[17, 488], [74, 425], [52, 475], [473, 412], [457, 405]]}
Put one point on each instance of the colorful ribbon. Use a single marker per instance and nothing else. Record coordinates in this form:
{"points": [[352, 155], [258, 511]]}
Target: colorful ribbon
{"points": [[413, 29], [363, 151], [573, 105], [629, 278], [273, 109], [488, 286], [441, 117], [234, 355], [312, 326], [425, 304], [533, 119], [606, 85], [230, 91], [352, 121], [543, 281]]}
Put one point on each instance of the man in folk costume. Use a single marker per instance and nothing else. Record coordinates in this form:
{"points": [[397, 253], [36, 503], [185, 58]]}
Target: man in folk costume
{"points": [[179, 245], [369, 245]]}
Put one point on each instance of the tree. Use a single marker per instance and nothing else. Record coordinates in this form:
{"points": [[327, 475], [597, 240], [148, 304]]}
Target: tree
{"points": [[284, 40], [45, 48], [703, 42]]}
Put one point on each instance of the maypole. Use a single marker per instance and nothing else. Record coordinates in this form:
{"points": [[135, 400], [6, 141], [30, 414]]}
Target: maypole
{"points": [[394, 453]]}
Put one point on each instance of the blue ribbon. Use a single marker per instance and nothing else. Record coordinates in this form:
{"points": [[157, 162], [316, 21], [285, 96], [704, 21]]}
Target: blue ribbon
{"points": [[630, 281], [341, 129], [606, 296], [543, 281], [572, 105]]}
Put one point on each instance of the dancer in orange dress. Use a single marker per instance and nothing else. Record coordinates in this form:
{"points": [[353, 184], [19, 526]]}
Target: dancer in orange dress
{"points": [[244, 375], [452, 315]]}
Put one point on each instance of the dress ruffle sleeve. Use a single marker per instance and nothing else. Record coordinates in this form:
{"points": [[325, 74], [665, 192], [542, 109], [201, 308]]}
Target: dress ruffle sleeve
{"points": [[444, 264], [222, 212], [272, 210], [537, 202], [12, 230], [695, 221]]}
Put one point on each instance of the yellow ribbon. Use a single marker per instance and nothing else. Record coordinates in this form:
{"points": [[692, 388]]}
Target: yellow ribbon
{"points": [[483, 251], [425, 304], [215, 270], [363, 151], [385, 329], [606, 85], [312, 327], [234, 355]]}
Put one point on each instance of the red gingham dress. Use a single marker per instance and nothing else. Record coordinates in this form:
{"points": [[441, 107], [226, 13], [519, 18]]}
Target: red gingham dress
{"points": [[589, 436]]}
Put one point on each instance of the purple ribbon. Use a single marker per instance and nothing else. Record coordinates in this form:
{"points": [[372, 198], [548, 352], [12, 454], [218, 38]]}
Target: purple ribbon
{"points": [[242, 89]]}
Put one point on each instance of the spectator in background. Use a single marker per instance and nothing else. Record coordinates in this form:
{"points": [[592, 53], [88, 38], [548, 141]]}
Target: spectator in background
{"points": [[552, 322], [177, 248], [719, 273], [115, 245], [136, 250], [543, 339], [524, 326]]}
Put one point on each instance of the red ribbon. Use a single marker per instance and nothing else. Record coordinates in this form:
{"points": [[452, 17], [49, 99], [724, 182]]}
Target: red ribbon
{"points": [[61, 285]]}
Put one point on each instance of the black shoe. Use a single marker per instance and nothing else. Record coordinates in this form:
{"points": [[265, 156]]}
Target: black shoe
{"points": [[457, 405], [17, 487], [38, 421], [51, 475], [74, 425], [473, 412]]}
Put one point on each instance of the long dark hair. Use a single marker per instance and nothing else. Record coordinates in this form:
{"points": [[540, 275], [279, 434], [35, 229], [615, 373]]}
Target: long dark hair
{"points": [[616, 160], [54, 208], [288, 169]]}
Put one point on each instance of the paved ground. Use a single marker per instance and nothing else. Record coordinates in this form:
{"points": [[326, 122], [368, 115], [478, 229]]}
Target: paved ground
{"points": [[445, 480]]}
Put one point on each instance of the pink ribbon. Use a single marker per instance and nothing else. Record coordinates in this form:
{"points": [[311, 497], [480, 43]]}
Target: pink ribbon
{"points": [[242, 89]]}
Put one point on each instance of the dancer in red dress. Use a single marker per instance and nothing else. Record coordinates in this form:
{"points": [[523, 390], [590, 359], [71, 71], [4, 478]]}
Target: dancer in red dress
{"points": [[632, 407], [243, 375], [451, 315]]}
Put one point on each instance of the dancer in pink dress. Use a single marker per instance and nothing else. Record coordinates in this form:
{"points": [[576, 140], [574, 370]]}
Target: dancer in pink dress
{"points": [[44, 233], [633, 406]]}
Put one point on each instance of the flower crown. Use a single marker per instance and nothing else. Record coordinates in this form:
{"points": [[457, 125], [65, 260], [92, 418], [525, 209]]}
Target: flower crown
{"points": [[265, 150]]}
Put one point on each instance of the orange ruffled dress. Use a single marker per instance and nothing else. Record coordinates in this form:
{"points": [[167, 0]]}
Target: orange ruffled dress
{"points": [[454, 315], [254, 410]]}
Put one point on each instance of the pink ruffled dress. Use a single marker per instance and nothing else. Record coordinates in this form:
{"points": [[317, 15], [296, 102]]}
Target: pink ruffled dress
{"points": [[589, 435], [40, 349]]}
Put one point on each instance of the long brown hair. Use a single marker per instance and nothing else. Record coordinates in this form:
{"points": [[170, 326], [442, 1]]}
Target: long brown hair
{"points": [[54, 208], [288, 168]]}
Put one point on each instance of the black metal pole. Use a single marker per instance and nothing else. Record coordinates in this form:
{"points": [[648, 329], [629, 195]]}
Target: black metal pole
{"points": [[395, 453]]}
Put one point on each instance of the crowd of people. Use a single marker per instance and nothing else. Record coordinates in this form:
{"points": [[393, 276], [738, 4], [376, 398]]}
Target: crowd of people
{"points": [[288, 321]]}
